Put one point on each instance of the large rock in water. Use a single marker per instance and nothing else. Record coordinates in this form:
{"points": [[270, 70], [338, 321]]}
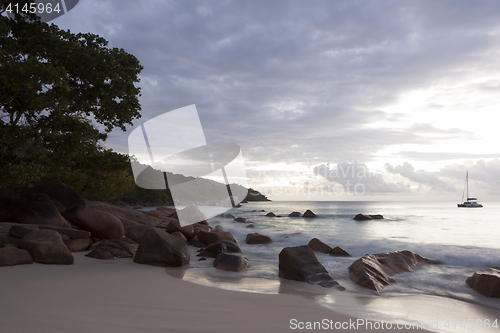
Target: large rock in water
{"points": [[257, 238], [159, 248], [487, 283], [309, 213], [101, 224], [317, 245], [230, 262], [47, 247], [11, 256], [375, 271], [213, 250], [300, 263], [362, 217], [208, 238]]}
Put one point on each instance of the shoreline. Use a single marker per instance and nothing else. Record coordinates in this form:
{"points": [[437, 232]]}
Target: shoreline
{"points": [[122, 296]]}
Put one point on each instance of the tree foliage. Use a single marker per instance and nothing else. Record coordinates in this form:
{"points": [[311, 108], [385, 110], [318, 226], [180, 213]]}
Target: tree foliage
{"points": [[60, 95]]}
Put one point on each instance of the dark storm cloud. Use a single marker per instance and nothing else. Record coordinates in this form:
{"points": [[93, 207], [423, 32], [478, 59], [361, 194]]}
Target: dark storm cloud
{"points": [[294, 80]]}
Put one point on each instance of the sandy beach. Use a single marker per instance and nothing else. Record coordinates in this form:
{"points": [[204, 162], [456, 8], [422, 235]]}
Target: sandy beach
{"points": [[121, 296]]}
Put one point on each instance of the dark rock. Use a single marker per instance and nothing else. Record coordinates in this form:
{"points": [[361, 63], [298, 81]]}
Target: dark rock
{"points": [[362, 217], [231, 246], [317, 245], [299, 263], [202, 259], [173, 226], [294, 214], [128, 240], [230, 262], [79, 245], [213, 250], [180, 235], [208, 238], [250, 225], [63, 193], [39, 212], [136, 232], [159, 248], [47, 247], [219, 228], [486, 283], [100, 254], [7, 239], [65, 239], [70, 232], [339, 252], [257, 238], [20, 230], [196, 244], [271, 214], [138, 207], [118, 248], [240, 220], [309, 213], [11, 256], [375, 271], [101, 224], [188, 231], [128, 215]]}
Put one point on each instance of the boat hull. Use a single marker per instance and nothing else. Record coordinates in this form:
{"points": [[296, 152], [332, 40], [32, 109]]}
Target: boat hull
{"points": [[470, 205]]}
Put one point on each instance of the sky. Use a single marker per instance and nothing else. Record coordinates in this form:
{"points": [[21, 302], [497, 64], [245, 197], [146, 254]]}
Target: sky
{"points": [[328, 100]]}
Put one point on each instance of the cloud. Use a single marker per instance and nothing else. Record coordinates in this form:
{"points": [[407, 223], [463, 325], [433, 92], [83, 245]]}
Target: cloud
{"points": [[420, 176], [440, 156], [355, 174], [296, 81], [483, 175]]}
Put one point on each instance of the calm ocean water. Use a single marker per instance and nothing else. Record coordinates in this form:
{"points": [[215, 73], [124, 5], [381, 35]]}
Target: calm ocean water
{"points": [[466, 240]]}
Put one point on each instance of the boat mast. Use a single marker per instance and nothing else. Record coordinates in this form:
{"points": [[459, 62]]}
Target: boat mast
{"points": [[467, 180]]}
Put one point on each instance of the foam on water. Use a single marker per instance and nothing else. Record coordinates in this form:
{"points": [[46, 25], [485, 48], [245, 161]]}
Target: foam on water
{"points": [[464, 240]]}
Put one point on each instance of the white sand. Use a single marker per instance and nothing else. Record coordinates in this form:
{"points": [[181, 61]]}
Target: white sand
{"points": [[121, 296]]}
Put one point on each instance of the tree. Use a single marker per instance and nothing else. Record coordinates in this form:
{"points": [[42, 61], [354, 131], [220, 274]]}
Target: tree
{"points": [[60, 95]]}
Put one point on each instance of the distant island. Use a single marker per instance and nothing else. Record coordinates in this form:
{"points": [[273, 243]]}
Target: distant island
{"points": [[254, 195], [197, 189]]}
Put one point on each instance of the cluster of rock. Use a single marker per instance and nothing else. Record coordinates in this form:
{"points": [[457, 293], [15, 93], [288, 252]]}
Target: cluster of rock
{"points": [[49, 221], [308, 213]]}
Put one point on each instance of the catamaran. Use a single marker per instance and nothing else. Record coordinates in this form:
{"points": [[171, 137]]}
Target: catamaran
{"points": [[471, 202]]}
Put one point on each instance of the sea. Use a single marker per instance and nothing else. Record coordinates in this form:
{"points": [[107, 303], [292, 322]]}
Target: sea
{"points": [[465, 240]]}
